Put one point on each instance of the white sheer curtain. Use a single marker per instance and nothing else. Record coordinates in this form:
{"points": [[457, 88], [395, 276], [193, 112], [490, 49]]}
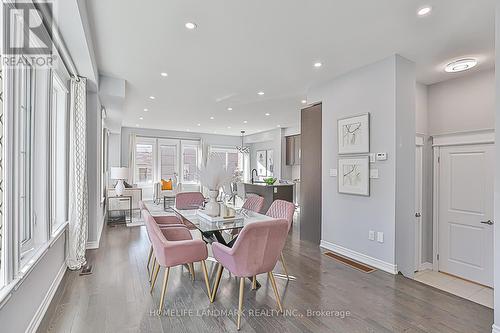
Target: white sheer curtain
{"points": [[78, 192], [131, 157]]}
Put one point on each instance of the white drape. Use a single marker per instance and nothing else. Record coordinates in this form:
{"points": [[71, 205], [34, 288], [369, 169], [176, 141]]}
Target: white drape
{"points": [[131, 157], [78, 191]]}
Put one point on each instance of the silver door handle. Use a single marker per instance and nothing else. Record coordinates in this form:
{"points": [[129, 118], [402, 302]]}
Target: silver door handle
{"points": [[489, 222]]}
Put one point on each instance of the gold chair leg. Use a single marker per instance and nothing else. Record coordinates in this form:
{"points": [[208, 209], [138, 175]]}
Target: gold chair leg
{"points": [[273, 283], [205, 273], [216, 283], [284, 266], [152, 270], [155, 275], [240, 301], [254, 282], [191, 270], [164, 289], [149, 258]]}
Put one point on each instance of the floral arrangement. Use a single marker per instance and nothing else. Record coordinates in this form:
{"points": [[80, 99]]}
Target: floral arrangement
{"points": [[213, 175]]}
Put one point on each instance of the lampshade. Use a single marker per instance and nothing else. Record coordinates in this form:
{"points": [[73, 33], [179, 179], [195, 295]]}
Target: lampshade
{"points": [[119, 173]]}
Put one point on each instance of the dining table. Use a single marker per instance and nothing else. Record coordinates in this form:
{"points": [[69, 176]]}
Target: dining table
{"points": [[213, 231]]}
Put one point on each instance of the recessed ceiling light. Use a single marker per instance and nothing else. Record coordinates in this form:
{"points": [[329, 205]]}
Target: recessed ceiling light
{"points": [[164, 74], [268, 114], [303, 101], [212, 118], [460, 65], [190, 25], [229, 109], [244, 121], [318, 64], [141, 118], [152, 97], [229, 127], [198, 124], [424, 11], [278, 125], [146, 110], [260, 93]]}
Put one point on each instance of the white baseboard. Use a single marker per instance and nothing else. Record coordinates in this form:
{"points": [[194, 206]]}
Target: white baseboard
{"points": [[424, 266], [40, 312], [495, 329], [363, 258], [92, 245]]}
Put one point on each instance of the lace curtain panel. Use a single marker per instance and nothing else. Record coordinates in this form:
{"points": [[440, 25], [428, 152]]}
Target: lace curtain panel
{"points": [[78, 192]]}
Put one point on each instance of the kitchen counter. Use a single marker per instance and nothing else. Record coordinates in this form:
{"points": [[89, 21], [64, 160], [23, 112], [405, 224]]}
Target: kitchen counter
{"points": [[270, 192]]}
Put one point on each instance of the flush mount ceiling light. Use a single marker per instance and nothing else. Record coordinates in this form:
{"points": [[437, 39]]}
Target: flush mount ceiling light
{"points": [[424, 11], [164, 74], [303, 101], [460, 65], [260, 93], [190, 25], [152, 97], [318, 64]]}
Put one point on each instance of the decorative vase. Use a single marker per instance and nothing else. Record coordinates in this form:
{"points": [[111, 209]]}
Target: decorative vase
{"points": [[119, 188], [212, 206]]}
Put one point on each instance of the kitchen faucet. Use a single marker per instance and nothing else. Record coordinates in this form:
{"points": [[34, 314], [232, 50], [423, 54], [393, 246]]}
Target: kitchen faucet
{"points": [[256, 174]]}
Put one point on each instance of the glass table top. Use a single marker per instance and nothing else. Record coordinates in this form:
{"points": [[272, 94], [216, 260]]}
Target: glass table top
{"points": [[243, 217]]}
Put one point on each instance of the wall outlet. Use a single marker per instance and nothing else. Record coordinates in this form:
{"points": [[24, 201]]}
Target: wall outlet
{"points": [[372, 157], [333, 172], [371, 235], [380, 237], [381, 156]]}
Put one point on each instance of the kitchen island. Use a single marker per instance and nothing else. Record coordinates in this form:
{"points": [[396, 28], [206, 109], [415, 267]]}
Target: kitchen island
{"points": [[270, 193]]}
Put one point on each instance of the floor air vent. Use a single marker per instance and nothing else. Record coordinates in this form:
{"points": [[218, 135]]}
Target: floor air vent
{"points": [[86, 270], [350, 263]]}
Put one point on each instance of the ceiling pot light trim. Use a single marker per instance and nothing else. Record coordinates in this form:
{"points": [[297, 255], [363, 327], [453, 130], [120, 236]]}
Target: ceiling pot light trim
{"points": [[424, 11], [190, 25], [460, 65]]}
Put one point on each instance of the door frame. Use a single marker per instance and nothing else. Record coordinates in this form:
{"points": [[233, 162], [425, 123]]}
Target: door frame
{"points": [[446, 140], [419, 143]]}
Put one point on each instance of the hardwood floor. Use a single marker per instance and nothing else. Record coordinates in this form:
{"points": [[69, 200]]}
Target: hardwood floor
{"points": [[115, 298]]}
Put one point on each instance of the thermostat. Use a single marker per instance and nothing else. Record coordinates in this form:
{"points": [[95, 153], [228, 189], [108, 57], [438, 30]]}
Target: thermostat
{"points": [[381, 156]]}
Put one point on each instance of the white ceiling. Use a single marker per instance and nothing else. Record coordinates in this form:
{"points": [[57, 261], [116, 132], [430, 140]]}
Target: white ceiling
{"points": [[242, 47]]}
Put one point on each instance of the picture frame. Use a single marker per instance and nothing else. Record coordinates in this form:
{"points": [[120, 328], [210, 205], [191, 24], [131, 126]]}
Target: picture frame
{"points": [[261, 158], [354, 134], [354, 175]]}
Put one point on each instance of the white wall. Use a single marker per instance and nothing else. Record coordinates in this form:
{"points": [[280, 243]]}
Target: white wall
{"points": [[463, 104], [421, 110], [347, 219]]}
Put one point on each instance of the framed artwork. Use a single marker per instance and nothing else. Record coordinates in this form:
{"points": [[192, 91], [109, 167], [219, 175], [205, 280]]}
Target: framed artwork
{"points": [[270, 163], [261, 159], [354, 175], [354, 134]]}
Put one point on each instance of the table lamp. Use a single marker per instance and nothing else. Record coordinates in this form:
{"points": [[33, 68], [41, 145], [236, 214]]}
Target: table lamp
{"points": [[119, 174]]}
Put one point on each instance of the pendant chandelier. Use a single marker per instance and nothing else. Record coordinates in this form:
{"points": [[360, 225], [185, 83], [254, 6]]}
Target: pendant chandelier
{"points": [[242, 149]]}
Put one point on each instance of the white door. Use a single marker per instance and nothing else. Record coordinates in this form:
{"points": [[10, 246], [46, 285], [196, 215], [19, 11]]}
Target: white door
{"points": [[418, 206], [465, 234]]}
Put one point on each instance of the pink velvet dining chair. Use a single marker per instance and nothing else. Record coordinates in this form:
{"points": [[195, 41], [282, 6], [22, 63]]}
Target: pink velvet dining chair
{"points": [[256, 251], [174, 246], [281, 209], [189, 200], [254, 203]]}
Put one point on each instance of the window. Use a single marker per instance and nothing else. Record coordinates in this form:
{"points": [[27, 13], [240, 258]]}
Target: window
{"points": [[168, 161], [189, 163], [233, 160], [58, 138], [144, 163]]}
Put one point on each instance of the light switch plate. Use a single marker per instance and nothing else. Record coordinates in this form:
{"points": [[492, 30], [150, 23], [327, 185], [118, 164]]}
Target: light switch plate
{"points": [[372, 157], [371, 235], [380, 237], [374, 173], [381, 156], [333, 172]]}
